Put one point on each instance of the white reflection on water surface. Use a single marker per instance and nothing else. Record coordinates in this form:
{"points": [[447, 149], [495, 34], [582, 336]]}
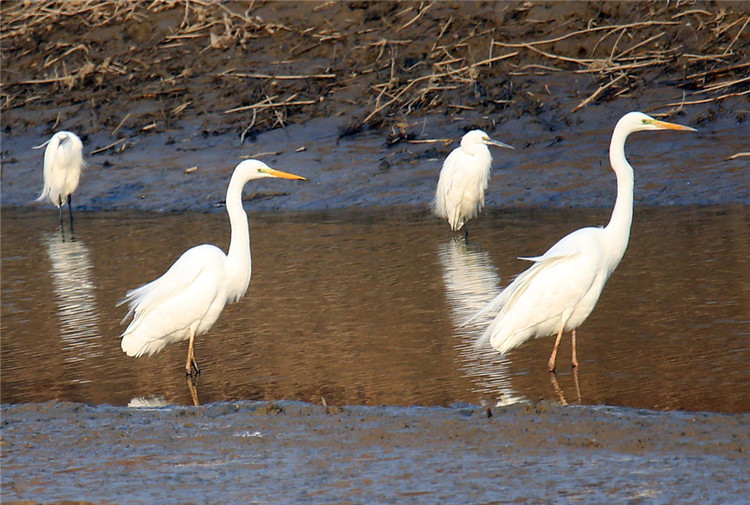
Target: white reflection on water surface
{"points": [[72, 281], [471, 281]]}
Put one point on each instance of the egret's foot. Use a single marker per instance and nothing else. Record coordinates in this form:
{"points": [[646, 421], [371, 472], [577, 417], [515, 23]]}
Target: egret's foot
{"points": [[193, 370]]}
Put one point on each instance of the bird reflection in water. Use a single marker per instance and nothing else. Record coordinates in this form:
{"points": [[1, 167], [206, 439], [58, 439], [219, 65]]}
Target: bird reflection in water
{"points": [[471, 281], [72, 282], [558, 390], [156, 402]]}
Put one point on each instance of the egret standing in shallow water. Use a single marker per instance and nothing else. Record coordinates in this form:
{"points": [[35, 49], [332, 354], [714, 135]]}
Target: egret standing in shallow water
{"points": [[63, 162], [186, 301], [464, 178], [559, 291]]}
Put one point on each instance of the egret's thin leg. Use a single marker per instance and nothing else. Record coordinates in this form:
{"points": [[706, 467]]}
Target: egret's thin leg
{"points": [[191, 363], [553, 356], [193, 387], [574, 359], [59, 207], [70, 211]]}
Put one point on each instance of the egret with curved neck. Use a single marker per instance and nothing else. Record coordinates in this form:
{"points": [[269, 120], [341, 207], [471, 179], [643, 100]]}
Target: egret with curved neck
{"points": [[559, 291], [187, 300]]}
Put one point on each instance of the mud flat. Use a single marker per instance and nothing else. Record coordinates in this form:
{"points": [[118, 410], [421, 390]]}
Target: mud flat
{"points": [[299, 453]]}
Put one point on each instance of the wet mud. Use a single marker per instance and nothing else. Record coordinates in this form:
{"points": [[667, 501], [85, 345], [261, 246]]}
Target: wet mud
{"points": [[345, 375], [285, 452]]}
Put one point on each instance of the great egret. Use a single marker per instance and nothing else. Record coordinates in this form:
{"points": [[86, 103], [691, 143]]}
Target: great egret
{"points": [[464, 178], [186, 301], [559, 291], [63, 162]]}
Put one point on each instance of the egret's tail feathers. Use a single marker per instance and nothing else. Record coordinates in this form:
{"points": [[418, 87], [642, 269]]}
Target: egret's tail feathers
{"points": [[44, 194], [456, 221], [491, 308], [506, 343], [136, 346], [482, 341]]}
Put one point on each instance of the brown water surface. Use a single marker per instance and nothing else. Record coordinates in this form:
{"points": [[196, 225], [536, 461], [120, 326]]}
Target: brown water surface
{"points": [[365, 308]]}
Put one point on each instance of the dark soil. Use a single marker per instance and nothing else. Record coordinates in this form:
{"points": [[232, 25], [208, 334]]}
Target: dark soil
{"points": [[143, 67]]}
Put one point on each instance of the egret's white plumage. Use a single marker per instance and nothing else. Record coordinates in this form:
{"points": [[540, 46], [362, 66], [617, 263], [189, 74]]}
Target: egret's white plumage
{"points": [[559, 291], [63, 163], [186, 301], [464, 179]]}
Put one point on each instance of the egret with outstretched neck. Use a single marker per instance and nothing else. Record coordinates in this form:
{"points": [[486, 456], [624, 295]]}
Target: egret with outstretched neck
{"points": [[464, 179], [187, 300], [63, 163], [559, 291]]}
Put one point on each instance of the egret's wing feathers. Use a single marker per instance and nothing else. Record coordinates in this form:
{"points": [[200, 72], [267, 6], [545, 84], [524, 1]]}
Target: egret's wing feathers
{"points": [[180, 276], [505, 301], [175, 305]]}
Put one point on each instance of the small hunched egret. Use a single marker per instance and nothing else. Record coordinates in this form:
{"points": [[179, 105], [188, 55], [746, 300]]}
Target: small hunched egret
{"points": [[559, 291], [464, 179], [63, 162], [186, 301]]}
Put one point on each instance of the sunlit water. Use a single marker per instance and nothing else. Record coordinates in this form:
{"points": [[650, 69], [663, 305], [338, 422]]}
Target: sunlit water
{"points": [[366, 308]]}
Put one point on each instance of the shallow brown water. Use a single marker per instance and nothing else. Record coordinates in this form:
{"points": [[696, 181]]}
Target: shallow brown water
{"points": [[364, 308]]}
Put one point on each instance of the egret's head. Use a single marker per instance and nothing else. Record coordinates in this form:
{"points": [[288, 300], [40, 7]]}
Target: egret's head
{"points": [[638, 121], [255, 169], [478, 137], [67, 142]]}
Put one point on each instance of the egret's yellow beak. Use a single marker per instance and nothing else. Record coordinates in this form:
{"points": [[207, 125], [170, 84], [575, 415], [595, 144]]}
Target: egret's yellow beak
{"points": [[671, 126], [283, 175]]}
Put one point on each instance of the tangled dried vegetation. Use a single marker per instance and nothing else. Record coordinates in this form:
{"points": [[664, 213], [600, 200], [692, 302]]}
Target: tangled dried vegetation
{"points": [[253, 66]]}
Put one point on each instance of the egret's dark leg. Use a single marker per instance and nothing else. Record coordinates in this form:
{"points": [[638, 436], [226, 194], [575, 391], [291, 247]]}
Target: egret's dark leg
{"points": [[70, 211], [59, 207]]}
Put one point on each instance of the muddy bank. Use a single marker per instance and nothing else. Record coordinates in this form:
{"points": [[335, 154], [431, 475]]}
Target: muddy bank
{"points": [[142, 67], [367, 98], [547, 169], [301, 453]]}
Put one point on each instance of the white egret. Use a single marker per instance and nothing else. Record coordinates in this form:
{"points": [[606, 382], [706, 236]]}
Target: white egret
{"points": [[186, 301], [559, 291], [464, 179], [63, 162]]}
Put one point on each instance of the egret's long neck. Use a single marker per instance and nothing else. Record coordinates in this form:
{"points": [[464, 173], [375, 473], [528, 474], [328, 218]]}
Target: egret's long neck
{"points": [[618, 228], [238, 257]]}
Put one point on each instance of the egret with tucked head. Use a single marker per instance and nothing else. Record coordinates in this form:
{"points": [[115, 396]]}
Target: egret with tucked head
{"points": [[559, 291], [464, 179], [63, 162], [186, 301]]}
